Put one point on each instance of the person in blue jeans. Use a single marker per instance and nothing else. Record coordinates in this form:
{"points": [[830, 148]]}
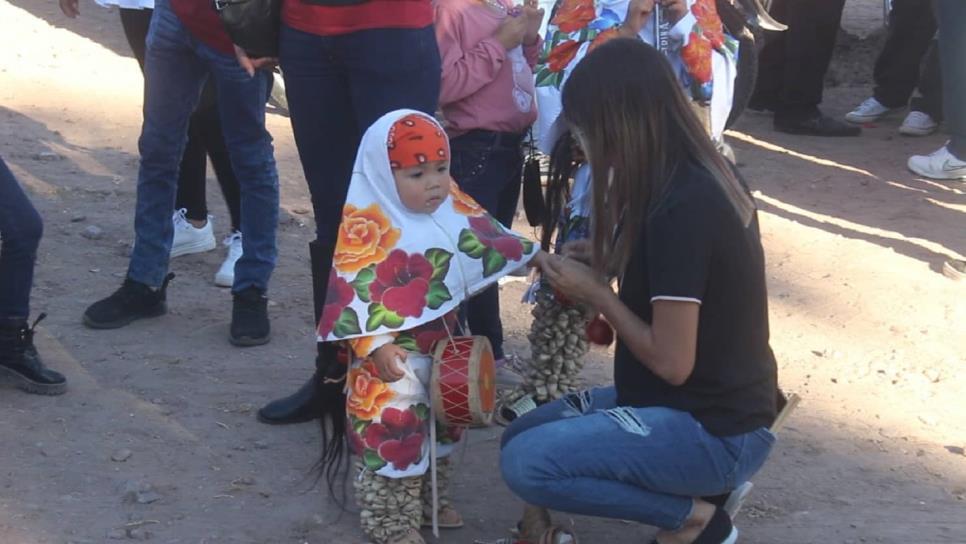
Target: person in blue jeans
{"points": [[186, 45], [345, 64], [20, 231], [695, 381]]}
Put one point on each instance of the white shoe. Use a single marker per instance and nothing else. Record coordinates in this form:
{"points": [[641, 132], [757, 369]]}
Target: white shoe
{"points": [[736, 499], [225, 277], [278, 98], [941, 164], [870, 110], [918, 123], [188, 239]]}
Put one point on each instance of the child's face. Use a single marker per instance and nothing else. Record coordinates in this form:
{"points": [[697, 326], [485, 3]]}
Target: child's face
{"points": [[423, 188]]}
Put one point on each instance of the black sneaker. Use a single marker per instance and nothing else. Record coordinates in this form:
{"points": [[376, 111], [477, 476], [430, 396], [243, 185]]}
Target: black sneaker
{"points": [[249, 318], [20, 364], [132, 301]]}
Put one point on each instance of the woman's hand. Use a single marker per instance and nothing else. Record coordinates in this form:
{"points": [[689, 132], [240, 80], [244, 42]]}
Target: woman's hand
{"points": [[580, 250], [388, 360], [575, 280], [70, 8]]}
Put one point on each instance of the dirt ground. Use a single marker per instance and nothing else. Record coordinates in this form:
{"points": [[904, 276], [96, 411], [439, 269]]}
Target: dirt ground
{"points": [[865, 327]]}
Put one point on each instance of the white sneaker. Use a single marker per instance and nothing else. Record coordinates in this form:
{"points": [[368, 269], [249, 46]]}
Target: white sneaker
{"points": [[188, 239], [918, 123], [225, 277], [868, 111], [278, 98], [941, 164]]}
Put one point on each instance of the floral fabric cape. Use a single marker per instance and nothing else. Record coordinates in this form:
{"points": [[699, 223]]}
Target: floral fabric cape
{"points": [[394, 269], [703, 56]]}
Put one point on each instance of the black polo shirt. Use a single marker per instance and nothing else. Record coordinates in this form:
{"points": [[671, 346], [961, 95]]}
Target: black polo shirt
{"points": [[694, 247]]}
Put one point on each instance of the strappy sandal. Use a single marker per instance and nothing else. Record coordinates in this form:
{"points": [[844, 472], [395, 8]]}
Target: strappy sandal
{"points": [[509, 412], [553, 535], [449, 518], [558, 535], [411, 536]]}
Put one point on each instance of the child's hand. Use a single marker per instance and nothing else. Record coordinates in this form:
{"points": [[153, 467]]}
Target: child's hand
{"points": [[534, 16], [511, 31], [385, 358]]}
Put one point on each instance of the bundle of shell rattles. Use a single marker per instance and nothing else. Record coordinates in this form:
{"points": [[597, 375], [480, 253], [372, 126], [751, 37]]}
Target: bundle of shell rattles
{"points": [[560, 337], [558, 345], [390, 506]]}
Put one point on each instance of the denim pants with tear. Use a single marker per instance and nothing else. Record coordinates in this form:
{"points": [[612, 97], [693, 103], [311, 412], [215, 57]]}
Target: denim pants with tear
{"points": [[585, 455]]}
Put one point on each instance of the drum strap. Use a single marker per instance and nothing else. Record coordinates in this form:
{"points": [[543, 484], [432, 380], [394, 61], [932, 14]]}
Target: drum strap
{"points": [[432, 465]]}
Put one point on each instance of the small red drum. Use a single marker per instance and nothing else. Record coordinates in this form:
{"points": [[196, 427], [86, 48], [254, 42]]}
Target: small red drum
{"points": [[464, 381]]}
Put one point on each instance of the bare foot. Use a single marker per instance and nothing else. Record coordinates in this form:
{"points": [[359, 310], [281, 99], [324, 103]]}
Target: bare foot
{"points": [[198, 224], [700, 516]]}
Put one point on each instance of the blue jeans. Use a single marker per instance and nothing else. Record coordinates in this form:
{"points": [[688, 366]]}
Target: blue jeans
{"points": [[20, 231], [175, 71], [336, 87], [952, 60], [585, 455], [488, 166]]}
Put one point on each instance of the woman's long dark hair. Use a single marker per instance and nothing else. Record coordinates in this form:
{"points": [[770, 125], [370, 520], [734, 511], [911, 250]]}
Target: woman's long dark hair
{"points": [[627, 110]]}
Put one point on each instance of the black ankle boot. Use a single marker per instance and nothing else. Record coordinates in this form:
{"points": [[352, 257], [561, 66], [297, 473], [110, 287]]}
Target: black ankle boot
{"points": [[132, 301], [305, 404], [249, 319], [20, 364]]}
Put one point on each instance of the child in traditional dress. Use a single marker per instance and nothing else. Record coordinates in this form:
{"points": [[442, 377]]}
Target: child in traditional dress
{"points": [[411, 248]]}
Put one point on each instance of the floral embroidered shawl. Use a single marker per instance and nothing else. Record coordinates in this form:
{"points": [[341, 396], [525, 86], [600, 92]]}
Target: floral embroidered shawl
{"points": [[394, 269]]}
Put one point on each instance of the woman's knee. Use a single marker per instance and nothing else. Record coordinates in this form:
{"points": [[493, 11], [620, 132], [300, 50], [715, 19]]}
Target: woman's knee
{"points": [[518, 466], [25, 234]]}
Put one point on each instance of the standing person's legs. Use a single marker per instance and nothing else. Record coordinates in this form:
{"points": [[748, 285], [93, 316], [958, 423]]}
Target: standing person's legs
{"points": [[930, 86], [174, 77], [949, 161], [771, 63], [136, 23], [488, 167], [326, 135], [911, 29], [210, 132], [336, 87], [241, 104], [20, 231], [952, 58], [809, 42], [191, 231]]}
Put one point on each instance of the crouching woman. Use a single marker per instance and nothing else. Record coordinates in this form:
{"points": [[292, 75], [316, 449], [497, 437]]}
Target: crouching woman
{"points": [[694, 387]]}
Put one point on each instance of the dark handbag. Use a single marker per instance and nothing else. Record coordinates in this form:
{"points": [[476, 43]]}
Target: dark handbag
{"points": [[252, 25], [533, 203]]}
